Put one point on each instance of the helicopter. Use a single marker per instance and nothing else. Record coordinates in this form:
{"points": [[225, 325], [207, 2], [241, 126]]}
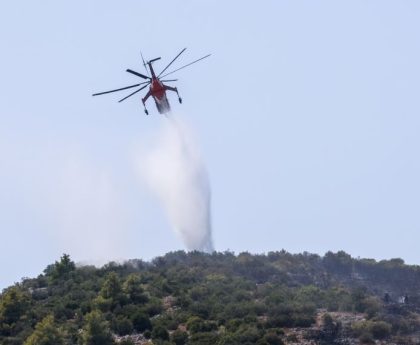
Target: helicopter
{"points": [[157, 87]]}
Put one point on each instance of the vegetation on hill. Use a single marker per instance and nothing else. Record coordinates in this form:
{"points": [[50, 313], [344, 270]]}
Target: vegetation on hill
{"points": [[220, 298]]}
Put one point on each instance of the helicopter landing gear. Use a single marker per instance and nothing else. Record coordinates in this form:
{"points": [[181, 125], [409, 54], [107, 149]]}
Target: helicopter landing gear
{"points": [[179, 98], [145, 110], [174, 89]]}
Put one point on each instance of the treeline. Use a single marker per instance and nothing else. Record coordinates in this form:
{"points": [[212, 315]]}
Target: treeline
{"points": [[220, 298]]}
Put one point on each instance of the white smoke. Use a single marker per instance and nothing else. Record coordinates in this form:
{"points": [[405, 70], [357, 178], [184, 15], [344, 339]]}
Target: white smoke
{"points": [[172, 167], [87, 211]]}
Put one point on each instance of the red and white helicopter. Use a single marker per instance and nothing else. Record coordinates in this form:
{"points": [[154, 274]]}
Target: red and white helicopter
{"points": [[157, 87]]}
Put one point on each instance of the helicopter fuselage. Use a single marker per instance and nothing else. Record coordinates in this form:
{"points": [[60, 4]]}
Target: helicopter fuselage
{"points": [[158, 91]]}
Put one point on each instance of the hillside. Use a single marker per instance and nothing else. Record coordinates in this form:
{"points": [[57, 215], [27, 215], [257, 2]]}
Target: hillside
{"points": [[220, 298]]}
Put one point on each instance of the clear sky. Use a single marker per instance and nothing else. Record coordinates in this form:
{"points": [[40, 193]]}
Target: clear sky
{"points": [[307, 115]]}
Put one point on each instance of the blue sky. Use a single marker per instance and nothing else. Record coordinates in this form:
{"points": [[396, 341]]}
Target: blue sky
{"points": [[307, 116]]}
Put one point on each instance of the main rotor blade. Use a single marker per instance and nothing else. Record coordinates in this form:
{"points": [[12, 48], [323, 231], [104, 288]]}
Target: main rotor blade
{"points": [[138, 74], [123, 88], [144, 64], [170, 80], [176, 57], [131, 94], [186, 65]]}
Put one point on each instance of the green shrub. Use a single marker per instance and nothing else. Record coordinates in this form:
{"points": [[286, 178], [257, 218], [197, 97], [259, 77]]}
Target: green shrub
{"points": [[380, 329], [160, 333], [122, 326], [179, 337], [366, 338], [141, 322]]}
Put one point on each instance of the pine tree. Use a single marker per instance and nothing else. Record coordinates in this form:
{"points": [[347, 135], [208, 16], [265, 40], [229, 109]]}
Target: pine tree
{"points": [[46, 333], [96, 330]]}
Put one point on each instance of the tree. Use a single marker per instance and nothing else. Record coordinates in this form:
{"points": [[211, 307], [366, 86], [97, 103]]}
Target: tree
{"points": [[329, 328], [13, 304], [340, 262], [46, 333], [122, 325], [228, 339], [112, 287], [160, 333], [179, 337], [96, 330], [205, 338], [380, 329], [132, 287], [111, 293], [141, 321], [195, 324], [366, 338], [273, 339], [248, 334], [61, 269]]}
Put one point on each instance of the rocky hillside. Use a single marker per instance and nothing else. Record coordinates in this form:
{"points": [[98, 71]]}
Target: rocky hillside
{"points": [[220, 298]]}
